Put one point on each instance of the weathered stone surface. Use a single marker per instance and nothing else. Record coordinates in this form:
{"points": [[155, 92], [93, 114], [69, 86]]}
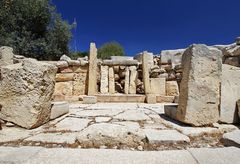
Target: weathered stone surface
{"points": [[132, 115], [62, 77], [62, 64], [231, 138], [6, 56], [149, 58], [92, 74], [120, 62], [151, 98], [59, 138], [158, 86], [230, 93], [111, 80], [165, 99], [127, 80], [133, 79], [110, 134], [26, 91], [102, 119], [232, 50], [145, 69], [58, 109], [64, 88], [89, 100], [200, 86], [215, 156], [172, 88], [79, 84], [13, 134], [104, 80], [233, 61], [121, 58], [165, 136], [172, 56], [65, 58], [37, 155], [71, 124], [74, 63]]}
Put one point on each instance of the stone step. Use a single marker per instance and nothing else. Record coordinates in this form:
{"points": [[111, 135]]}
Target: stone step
{"points": [[121, 98]]}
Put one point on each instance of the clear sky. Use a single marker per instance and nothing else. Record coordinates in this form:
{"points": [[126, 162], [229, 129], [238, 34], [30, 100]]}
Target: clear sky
{"points": [[152, 25]]}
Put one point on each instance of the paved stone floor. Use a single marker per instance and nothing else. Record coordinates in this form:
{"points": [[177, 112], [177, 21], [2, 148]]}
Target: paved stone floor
{"points": [[127, 126], [116, 133], [38, 155]]}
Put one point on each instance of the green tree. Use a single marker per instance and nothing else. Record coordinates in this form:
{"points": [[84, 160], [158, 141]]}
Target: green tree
{"points": [[34, 29], [110, 49], [78, 54]]}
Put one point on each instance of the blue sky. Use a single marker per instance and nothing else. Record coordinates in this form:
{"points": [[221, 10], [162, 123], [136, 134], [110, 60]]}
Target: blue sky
{"points": [[152, 25]]}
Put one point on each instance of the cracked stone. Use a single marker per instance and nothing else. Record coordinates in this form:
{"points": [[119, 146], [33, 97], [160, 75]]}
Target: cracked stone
{"points": [[13, 134], [59, 138], [102, 119], [132, 115]]}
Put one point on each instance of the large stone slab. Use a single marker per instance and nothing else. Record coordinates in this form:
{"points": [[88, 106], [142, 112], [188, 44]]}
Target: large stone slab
{"points": [[133, 79], [104, 80], [26, 91], [79, 84], [231, 138], [13, 134], [127, 80], [6, 56], [158, 86], [216, 156], [110, 134], [173, 57], [230, 93], [72, 124], [132, 115], [92, 70], [111, 80], [200, 86], [165, 136], [36, 155], [172, 88], [64, 88], [59, 138]]}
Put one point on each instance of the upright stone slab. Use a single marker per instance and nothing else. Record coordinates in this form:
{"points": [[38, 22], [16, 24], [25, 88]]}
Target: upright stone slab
{"points": [[158, 86], [6, 56], [172, 88], [230, 93], [26, 91], [133, 79], [111, 81], [200, 86], [145, 70], [104, 80], [127, 80], [92, 70]]}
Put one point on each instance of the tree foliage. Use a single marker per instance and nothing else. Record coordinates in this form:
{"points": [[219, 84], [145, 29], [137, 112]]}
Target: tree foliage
{"points": [[110, 49], [33, 29]]}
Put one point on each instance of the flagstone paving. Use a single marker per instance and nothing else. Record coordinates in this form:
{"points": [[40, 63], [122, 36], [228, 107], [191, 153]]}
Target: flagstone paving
{"points": [[129, 126]]}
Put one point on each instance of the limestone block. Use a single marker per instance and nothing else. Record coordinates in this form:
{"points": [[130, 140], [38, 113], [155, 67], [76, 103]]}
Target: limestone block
{"points": [[230, 93], [26, 91], [65, 58], [79, 84], [158, 86], [151, 99], [172, 88], [232, 50], [6, 56], [111, 81], [62, 77], [200, 86], [145, 70], [104, 80], [92, 67], [233, 61], [64, 88], [133, 80], [148, 56], [62, 64], [58, 109], [120, 62], [173, 57], [127, 80], [89, 100]]}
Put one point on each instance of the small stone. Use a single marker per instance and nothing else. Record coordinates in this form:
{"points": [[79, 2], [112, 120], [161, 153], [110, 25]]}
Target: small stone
{"points": [[89, 100], [65, 58], [140, 148], [232, 139], [58, 109], [9, 124]]}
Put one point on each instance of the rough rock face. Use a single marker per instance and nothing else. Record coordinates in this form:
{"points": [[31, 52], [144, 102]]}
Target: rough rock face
{"points": [[172, 56], [6, 56], [230, 93], [200, 86], [26, 91]]}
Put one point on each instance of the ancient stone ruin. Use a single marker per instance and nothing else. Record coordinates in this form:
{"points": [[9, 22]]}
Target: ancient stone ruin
{"points": [[183, 98]]}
